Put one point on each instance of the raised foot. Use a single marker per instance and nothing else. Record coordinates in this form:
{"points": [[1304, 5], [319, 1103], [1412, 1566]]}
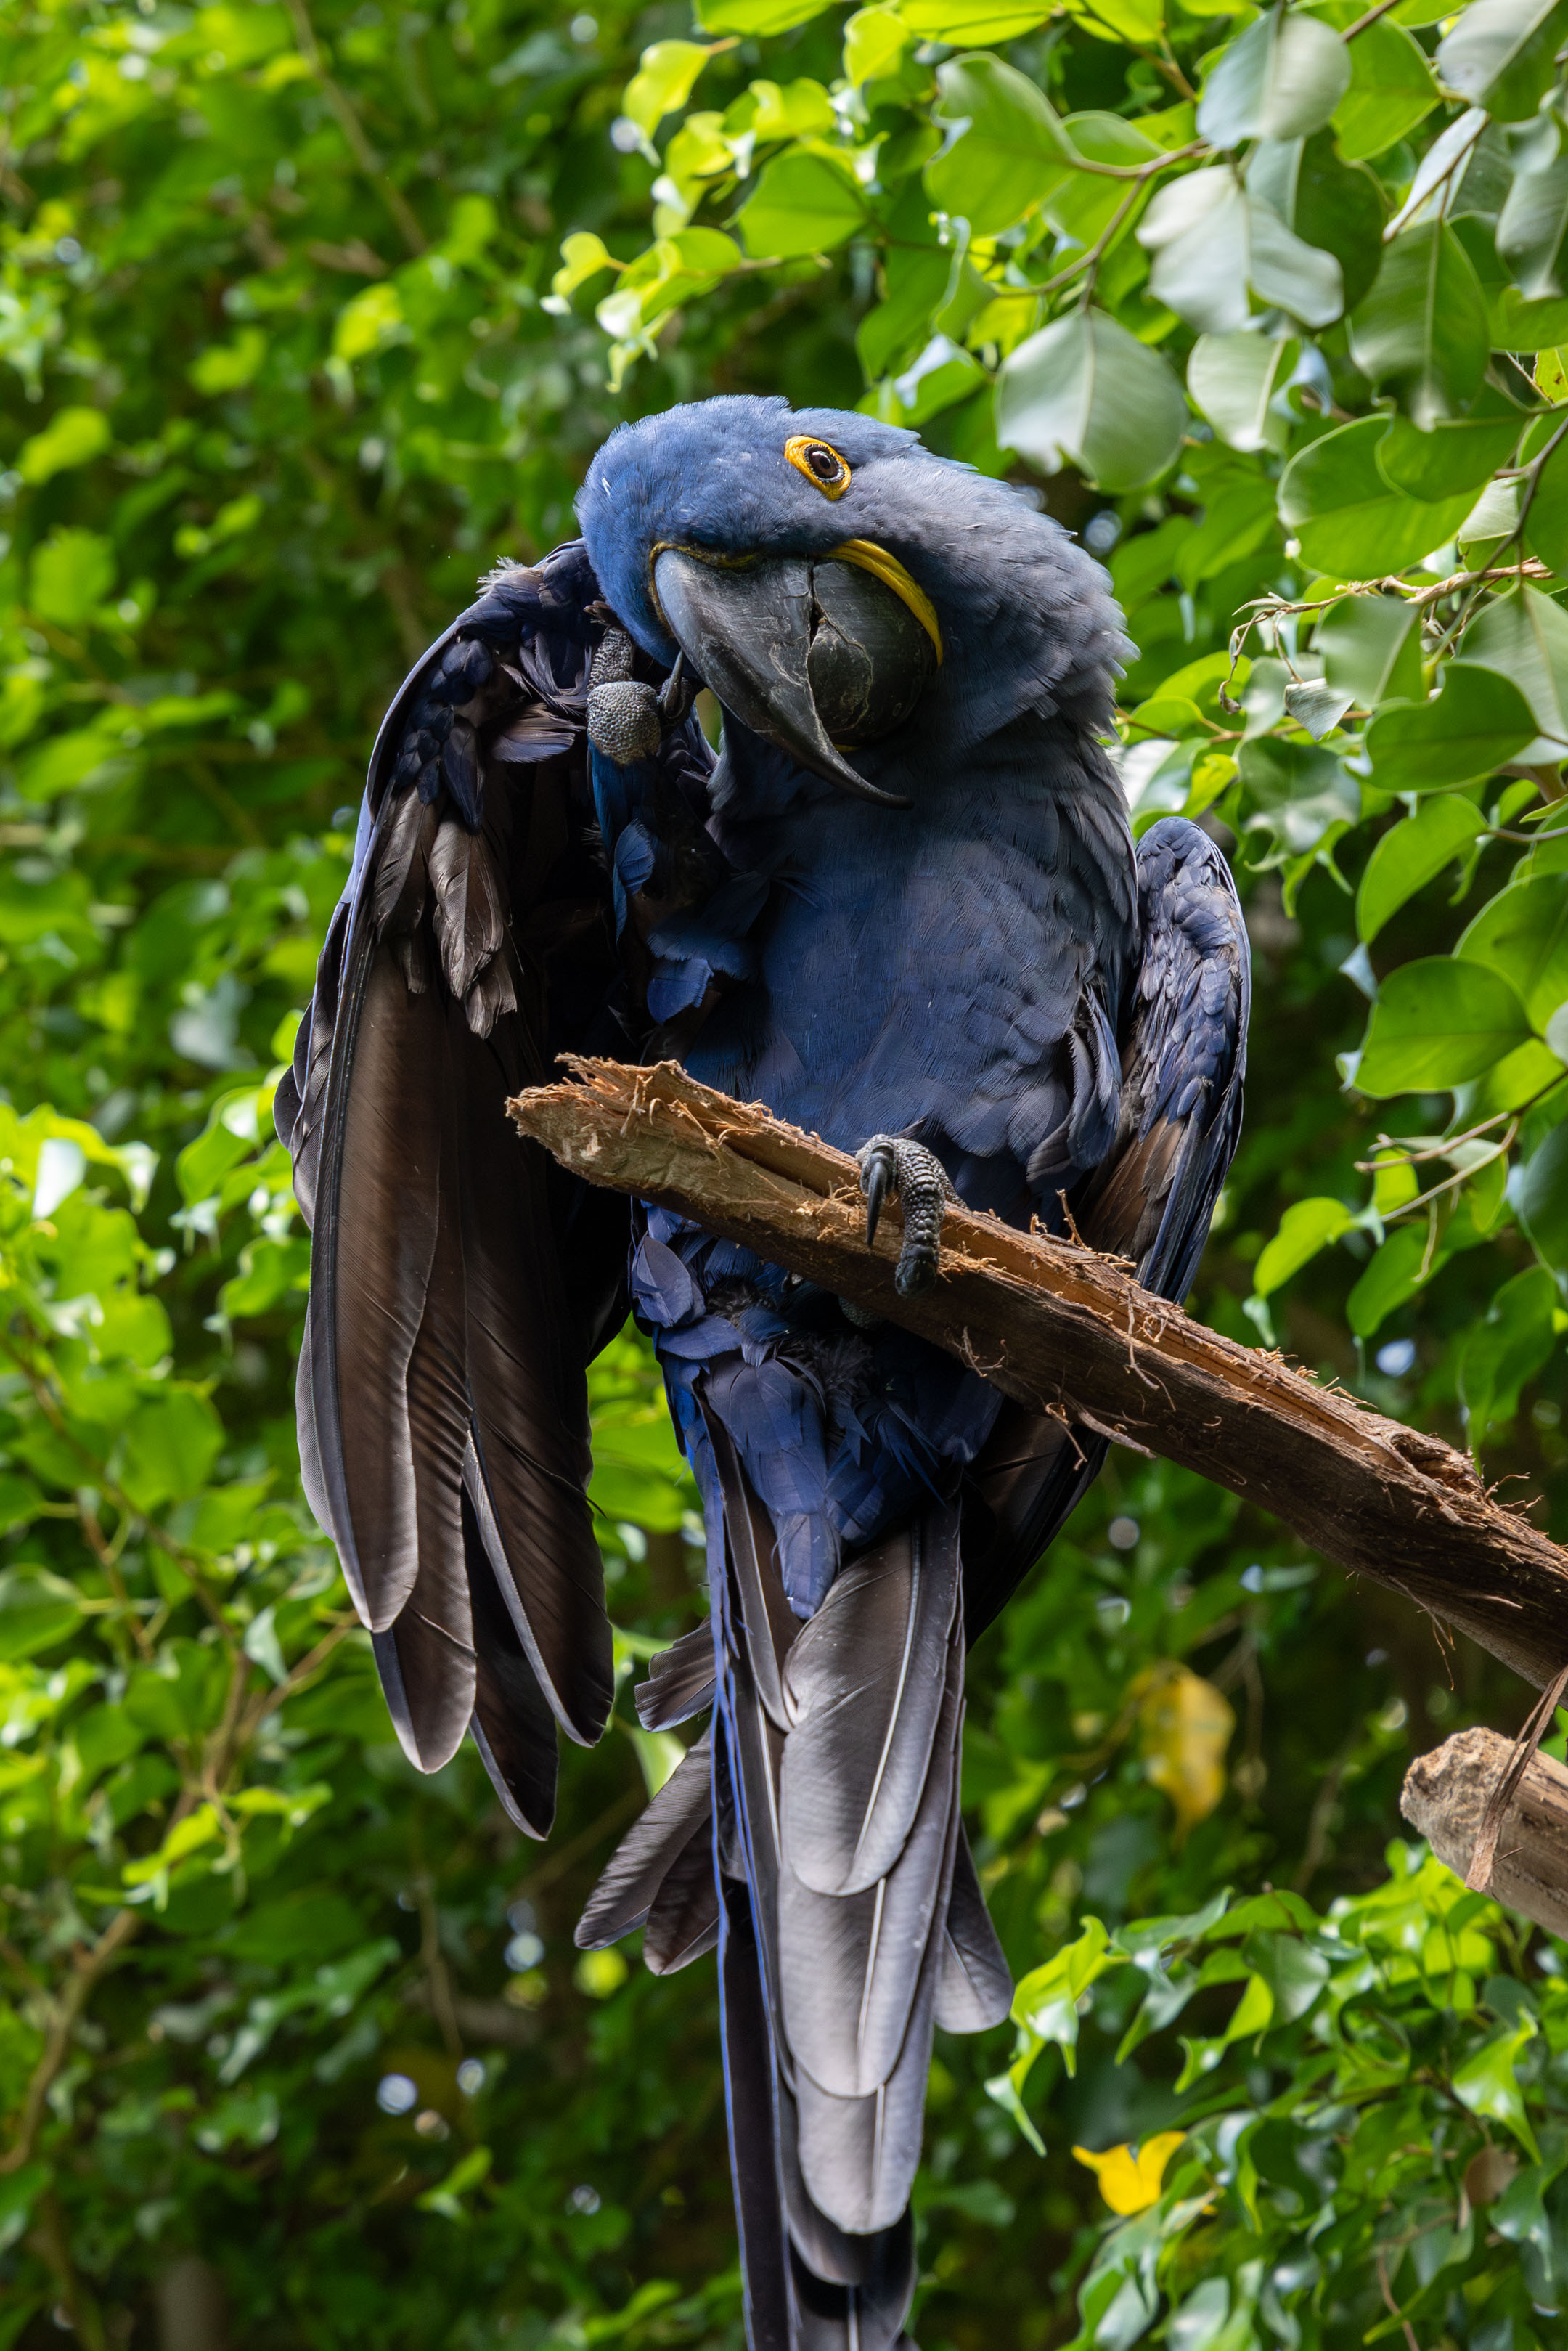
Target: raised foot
{"points": [[893, 1168]]}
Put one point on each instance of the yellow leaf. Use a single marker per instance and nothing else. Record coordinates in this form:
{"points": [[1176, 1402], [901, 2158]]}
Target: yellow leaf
{"points": [[1131, 2182], [1185, 1727]]}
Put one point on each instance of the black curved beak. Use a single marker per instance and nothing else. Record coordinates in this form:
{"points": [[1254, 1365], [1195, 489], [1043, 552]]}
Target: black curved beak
{"points": [[745, 629]]}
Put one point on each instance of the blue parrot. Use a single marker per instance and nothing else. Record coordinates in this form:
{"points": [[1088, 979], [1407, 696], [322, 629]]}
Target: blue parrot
{"points": [[904, 909]]}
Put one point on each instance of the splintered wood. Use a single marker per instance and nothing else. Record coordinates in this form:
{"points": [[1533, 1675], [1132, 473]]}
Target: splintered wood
{"points": [[1447, 1796], [1073, 1334]]}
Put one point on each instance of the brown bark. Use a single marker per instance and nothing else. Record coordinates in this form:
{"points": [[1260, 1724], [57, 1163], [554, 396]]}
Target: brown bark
{"points": [[1073, 1334], [1445, 1797]]}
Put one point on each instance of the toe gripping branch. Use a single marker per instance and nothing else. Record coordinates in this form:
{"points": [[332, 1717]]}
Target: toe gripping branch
{"points": [[626, 718], [893, 1168]]}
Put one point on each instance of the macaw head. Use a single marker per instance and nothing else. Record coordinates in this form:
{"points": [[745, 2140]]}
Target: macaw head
{"points": [[872, 610]]}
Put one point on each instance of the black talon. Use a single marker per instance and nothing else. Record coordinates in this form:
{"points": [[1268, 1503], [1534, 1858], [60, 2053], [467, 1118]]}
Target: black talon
{"points": [[892, 1166], [678, 693], [876, 1174]]}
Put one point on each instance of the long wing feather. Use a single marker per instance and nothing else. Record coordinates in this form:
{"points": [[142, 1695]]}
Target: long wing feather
{"points": [[858, 2154], [864, 1684], [849, 1965], [975, 1988], [1184, 1064], [680, 1681], [513, 1726], [682, 1810]]}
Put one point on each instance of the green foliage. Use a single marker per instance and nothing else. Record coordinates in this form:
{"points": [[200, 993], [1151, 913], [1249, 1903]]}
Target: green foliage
{"points": [[303, 321]]}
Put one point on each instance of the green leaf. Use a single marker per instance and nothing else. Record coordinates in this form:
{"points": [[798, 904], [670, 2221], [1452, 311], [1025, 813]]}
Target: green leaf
{"points": [[1522, 933], [1301, 794], [1046, 2001], [73, 437], [1395, 1275], [962, 22], [1516, 324], [1281, 78], [1371, 648], [1506, 1349], [229, 367], [1086, 202], [1332, 206], [37, 1611], [1468, 730], [1009, 150], [1499, 54], [1233, 377], [874, 40], [1538, 1195], [70, 574], [1083, 390], [583, 256], [1436, 1022], [1412, 854], [1451, 459], [756, 17], [807, 201], [1294, 1972], [1530, 229], [1306, 1227], [1391, 91], [1487, 2082], [170, 1443], [1422, 331], [1211, 242], [663, 81], [1350, 523], [1546, 524]]}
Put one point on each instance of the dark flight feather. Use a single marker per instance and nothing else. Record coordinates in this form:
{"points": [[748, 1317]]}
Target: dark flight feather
{"points": [[683, 1916], [975, 1987], [858, 2154], [863, 1686], [513, 1727], [850, 1964], [680, 1681], [682, 1810]]}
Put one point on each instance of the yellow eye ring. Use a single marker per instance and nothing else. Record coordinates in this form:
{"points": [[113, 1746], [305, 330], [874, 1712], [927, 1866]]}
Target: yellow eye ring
{"points": [[819, 461]]}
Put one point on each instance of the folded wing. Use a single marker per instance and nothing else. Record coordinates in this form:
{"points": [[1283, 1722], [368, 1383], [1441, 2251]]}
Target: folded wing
{"points": [[459, 1283]]}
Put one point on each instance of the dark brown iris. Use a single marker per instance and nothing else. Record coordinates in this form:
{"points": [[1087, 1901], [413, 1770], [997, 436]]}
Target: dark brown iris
{"points": [[826, 466]]}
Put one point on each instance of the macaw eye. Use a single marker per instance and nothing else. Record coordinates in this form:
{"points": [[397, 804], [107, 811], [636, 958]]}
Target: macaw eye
{"points": [[820, 463]]}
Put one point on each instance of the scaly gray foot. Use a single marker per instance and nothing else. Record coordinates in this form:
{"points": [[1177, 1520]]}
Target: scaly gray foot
{"points": [[893, 1168]]}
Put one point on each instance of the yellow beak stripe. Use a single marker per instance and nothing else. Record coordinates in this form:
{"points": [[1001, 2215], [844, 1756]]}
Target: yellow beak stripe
{"points": [[868, 557]]}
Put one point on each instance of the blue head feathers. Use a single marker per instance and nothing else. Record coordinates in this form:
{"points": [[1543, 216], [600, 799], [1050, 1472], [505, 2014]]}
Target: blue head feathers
{"points": [[1027, 626]]}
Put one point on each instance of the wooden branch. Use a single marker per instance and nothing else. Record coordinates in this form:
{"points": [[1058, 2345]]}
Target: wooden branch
{"points": [[1070, 1332], [1445, 1797]]}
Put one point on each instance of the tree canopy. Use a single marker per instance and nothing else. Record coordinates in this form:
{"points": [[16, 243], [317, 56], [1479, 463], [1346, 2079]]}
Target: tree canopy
{"points": [[308, 313]]}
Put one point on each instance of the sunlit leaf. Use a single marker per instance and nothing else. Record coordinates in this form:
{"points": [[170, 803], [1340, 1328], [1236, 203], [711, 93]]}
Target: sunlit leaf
{"points": [[1411, 854], [1084, 392], [1281, 78], [1436, 1022], [1477, 722], [1010, 150], [1422, 329]]}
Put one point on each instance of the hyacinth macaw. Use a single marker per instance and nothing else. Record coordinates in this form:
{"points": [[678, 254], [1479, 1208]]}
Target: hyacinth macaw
{"points": [[903, 908]]}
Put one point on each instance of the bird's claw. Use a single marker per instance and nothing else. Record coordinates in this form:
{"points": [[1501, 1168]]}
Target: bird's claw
{"points": [[893, 1168], [676, 694]]}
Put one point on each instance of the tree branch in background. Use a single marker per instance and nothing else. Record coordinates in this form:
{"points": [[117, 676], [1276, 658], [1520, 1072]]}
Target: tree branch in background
{"points": [[1446, 1797], [1071, 1332]]}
